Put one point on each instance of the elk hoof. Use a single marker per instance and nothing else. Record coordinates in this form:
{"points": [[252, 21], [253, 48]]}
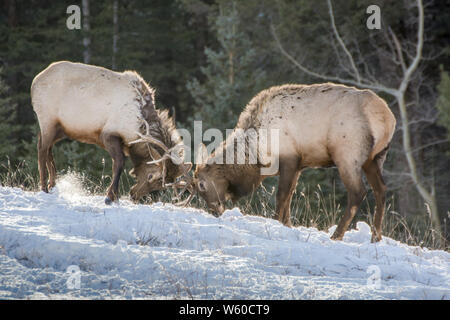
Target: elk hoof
{"points": [[108, 201], [215, 214], [287, 224], [375, 238], [336, 236]]}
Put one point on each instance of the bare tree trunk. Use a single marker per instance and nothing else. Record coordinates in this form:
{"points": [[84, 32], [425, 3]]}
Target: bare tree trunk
{"points": [[231, 66], [115, 32], [86, 31], [232, 49], [12, 17], [428, 196]]}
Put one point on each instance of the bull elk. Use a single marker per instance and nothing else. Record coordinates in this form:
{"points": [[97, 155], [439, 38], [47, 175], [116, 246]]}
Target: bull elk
{"points": [[320, 125], [113, 110]]}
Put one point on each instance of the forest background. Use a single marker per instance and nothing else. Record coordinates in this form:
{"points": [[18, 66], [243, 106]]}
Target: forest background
{"points": [[207, 59]]}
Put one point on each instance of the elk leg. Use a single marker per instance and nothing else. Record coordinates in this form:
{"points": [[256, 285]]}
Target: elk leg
{"points": [[113, 145], [375, 179], [44, 145], [42, 161], [51, 167], [289, 174], [352, 179]]}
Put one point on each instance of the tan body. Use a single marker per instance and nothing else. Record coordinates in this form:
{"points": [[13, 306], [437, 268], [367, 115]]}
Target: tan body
{"points": [[95, 105], [319, 126]]}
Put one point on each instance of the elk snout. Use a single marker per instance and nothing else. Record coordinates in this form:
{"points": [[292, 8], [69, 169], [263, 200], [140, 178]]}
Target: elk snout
{"points": [[217, 209], [134, 194]]}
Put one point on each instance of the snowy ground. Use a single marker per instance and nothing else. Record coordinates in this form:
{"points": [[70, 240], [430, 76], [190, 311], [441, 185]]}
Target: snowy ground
{"points": [[128, 251]]}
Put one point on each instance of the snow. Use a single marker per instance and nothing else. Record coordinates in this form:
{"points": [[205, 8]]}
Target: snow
{"points": [[160, 251]]}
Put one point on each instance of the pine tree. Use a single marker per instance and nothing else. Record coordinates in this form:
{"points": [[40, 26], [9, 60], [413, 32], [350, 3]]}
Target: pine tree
{"points": [[231, 76], [8, 129]]}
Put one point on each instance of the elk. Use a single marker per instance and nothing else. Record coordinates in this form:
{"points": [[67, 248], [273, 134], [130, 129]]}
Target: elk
{"points": [[113, 110], [319, 125]]}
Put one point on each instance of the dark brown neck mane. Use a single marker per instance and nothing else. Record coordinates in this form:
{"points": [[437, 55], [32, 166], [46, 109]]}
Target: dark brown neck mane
{"points": [[156, 123]]}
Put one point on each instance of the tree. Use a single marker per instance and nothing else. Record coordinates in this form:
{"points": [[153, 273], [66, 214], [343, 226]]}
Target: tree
{"points": [[86, 31], [230, 75], [115, 32], [443, 102], [8, 128]]}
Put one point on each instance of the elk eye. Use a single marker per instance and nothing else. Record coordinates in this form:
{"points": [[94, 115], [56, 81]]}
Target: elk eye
{"points": [[150, 176], [201, 186]]}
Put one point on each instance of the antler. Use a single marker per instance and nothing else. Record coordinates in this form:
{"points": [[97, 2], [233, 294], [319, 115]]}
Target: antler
{"points": [[164, 157], [149, 139], [186, 184], [185, 202], [168, 154]]}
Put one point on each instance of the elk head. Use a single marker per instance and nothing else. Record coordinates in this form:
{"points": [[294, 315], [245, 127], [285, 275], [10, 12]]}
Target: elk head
{"points": [[161, 172], [217, 183], [210, 183]]}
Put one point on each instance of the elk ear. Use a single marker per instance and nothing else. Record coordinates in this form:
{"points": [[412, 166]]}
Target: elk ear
{"points": [[131, 173], [184, 168], [202, 154]]}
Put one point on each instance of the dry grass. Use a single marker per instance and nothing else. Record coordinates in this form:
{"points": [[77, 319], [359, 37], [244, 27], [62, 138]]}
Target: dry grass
{"points": [[19, 176], [311, 207]]}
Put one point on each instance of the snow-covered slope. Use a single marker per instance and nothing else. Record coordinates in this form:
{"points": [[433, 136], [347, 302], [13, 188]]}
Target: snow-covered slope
{"points": [[162, 251]]}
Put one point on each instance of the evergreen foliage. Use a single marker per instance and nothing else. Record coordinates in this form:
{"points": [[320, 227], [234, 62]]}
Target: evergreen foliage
{"points": [[8, 126], [230, 77]]}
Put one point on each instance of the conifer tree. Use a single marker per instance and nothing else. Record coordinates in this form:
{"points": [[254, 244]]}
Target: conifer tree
{"points": [[231, 76], [8, 128]]}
